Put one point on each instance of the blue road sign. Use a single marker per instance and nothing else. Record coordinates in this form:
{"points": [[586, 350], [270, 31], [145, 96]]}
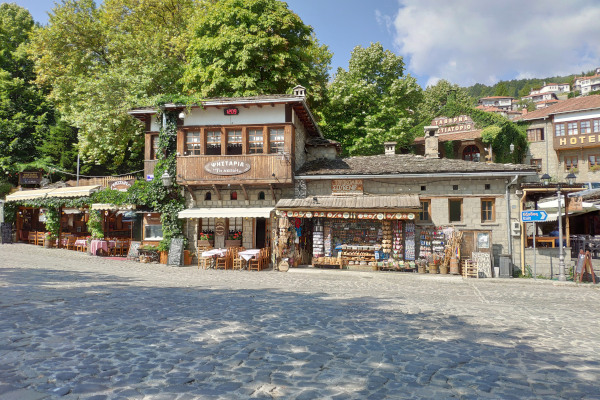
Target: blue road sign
{"points": [[534, 216]]}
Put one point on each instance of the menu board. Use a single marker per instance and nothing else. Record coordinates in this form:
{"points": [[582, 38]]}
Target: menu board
{"points": [[175, 253]]}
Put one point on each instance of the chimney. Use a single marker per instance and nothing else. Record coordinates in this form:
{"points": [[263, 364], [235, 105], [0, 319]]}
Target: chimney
{"points": [[390, 148], [299, 91], [431, 142]]}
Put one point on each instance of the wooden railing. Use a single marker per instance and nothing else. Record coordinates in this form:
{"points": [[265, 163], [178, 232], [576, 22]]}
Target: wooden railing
{"points": [[264, 169]]}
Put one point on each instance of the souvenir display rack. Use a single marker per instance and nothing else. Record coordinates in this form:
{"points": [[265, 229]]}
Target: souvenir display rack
{"points": [[397, 244], [409, 241]]}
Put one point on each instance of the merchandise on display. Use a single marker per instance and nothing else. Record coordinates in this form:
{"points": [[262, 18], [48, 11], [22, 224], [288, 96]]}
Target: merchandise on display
{"points": [[397, 241], [409, 241]]}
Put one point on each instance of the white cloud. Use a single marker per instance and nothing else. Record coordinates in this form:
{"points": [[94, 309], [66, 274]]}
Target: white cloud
{"points": [[470, 41]]}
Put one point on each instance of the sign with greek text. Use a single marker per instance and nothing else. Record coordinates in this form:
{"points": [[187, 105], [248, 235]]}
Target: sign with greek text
{"points": [[346, 186], [227, 167], [462, 123], [30, 178]]}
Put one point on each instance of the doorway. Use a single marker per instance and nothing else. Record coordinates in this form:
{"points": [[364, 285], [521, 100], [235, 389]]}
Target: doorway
{"points": [[261, 230]]}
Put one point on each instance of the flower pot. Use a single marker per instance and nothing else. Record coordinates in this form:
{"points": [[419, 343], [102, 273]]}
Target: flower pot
{"points": [[433, 268], [187, 257], [163, 257], [205, 243], [48, 243], [421, 269], [233, 243], [443, 269]]}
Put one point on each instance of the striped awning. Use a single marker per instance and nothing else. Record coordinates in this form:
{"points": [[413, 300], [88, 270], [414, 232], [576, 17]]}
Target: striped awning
{"points": [[231, 212], [75, 191], [330, 203]]}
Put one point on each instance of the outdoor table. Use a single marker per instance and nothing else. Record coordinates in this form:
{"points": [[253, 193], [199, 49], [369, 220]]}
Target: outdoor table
{"points": [[80, 242], [249, 254], [96, 245], [214, 253]]}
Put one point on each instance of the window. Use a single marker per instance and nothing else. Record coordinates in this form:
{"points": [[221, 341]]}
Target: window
{"points": [[572, 128], [487, 186], [455, 210], [192, 143], [471, 153], [487, 210], [233, 196], [535, 135], [261, 195], [559, 130], [585, 127], [208, 196], [537, 163], [234, 142], [454, 187], [153, 232], [213, 143], [424, 213], [154, 147], [255, 141], [423, 188], [276, 140], [597, 125], [594, 159], [570, 162]]}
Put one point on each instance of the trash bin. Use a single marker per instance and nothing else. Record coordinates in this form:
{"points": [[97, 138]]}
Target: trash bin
{"points": [[506, 266]]}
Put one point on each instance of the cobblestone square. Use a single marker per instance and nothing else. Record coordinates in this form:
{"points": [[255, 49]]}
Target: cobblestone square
{"points": [[79, 327]]}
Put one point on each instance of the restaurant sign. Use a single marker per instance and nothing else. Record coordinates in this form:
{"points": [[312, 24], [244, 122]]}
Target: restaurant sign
{"points": [[227, 167], [121, 186], [346, 186], [462, 123], [346, 214], [30, 178]]}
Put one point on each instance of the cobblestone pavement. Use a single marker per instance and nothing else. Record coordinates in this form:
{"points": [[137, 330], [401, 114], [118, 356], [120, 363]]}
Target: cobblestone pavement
{"points": [[79, 327]]}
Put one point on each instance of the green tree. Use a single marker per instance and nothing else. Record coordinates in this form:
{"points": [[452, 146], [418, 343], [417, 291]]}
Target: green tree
{"points": [[99, 62], [25, 112], [436, 96], [501, 90], [371, 103], [253, 47]]}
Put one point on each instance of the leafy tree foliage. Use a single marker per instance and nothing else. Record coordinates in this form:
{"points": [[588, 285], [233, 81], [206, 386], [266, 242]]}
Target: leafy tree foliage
{"points": [[371, 103], [253, 47], [501, 89], [436, 96], [25, 112], [101, 61]]}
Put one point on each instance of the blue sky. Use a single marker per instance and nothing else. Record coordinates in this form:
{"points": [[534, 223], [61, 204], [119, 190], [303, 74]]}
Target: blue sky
{"points": [[463, 41]]}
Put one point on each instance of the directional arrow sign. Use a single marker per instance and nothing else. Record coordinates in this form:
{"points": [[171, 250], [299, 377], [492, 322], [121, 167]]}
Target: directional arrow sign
{"points": [[533, 216]]}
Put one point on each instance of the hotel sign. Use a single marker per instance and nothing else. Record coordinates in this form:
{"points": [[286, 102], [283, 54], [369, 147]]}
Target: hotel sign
{"points": [[227, 167], [577, 141], [462, 123], [346, 186]]}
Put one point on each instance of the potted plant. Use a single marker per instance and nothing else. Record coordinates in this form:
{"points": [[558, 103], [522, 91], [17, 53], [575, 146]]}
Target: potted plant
{"points": [[49, 240], [148, 253], [163, 253], [206, 239], [234, 239], [421, 264]]}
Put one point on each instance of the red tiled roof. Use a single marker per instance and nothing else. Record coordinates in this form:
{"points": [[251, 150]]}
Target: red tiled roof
{"points": [[563, 106], [445, 137], [497, 97]]}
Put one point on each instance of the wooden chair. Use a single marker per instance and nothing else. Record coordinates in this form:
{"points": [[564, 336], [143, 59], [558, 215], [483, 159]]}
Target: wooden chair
{"points": [[203, 262], [40, 238], [256, 263], [237, 261], [32, 237], [70, 242], [223, 262]]}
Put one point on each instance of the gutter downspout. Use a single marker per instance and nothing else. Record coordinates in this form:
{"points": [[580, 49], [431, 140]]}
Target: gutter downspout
{"points": [[508, 229]]}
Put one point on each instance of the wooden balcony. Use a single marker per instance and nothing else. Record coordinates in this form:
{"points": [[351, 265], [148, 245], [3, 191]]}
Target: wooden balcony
{"points": [[149, 167], [263, 169]]}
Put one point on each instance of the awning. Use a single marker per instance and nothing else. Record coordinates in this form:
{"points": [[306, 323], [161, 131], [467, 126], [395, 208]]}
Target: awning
{"points": [[75, 191], [72, 211], [112, 207], [352, 203], [257, 212]]}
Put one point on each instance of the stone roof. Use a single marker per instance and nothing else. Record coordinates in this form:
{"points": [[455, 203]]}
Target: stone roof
{"points": [[445, 137], [403, 164], [569, 105]]}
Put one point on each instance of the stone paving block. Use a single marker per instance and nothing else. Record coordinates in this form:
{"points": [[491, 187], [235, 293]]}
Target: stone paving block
{"points": [[23, 394]]}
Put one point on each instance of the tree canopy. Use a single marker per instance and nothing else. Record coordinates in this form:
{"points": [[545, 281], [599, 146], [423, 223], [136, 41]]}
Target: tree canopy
{"points": [[371, 103], [253, 47], [436, 96]]}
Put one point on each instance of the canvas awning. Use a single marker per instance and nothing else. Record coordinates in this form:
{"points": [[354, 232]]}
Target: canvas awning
{"points": [[74, 191], [231, 212], [112, 207], [351, 203]]}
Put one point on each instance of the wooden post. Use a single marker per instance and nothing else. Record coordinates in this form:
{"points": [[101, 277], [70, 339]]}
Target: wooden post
{"points": [[523, 230], [567, 225]]}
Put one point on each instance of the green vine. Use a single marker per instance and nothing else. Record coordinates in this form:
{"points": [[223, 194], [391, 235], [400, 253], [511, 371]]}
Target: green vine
{"points": [[53, 222], [94, 225], [449, 149]]}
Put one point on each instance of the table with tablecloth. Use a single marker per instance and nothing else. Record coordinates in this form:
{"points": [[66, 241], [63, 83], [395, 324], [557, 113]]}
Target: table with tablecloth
{"points": [[96, 245], [213, 254], [249, 254]]}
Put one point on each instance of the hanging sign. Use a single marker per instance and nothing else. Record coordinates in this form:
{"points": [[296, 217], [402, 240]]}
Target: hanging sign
{"points": [[227, 167], [346, 186], [121, 186], [576, 203], [231, 111]]}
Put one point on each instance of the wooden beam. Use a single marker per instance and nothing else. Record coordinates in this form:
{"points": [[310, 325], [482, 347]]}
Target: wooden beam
{"points": [[216, 189], [272, 192], [245, 192]]}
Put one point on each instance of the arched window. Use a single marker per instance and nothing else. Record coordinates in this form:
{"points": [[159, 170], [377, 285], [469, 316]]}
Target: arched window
{"points": [[207, 196], [233, 196], [471, 153], [261, 195]]}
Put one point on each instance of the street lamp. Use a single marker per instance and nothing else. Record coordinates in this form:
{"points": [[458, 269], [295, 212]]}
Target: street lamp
{"points": [[512, 148], [167, 181], [561, 256]]}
